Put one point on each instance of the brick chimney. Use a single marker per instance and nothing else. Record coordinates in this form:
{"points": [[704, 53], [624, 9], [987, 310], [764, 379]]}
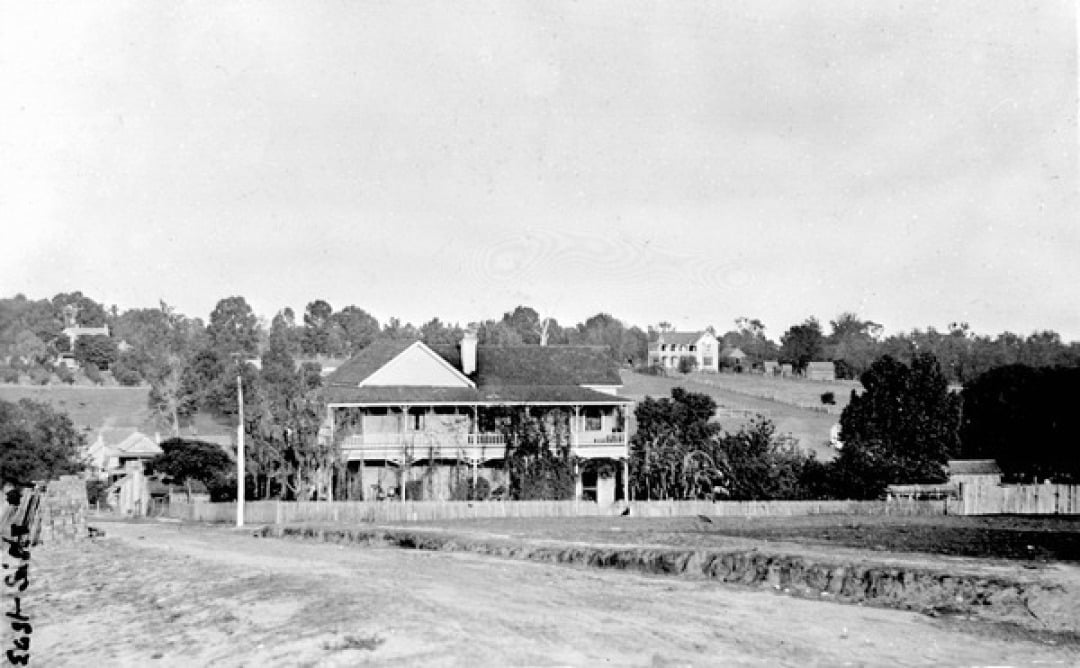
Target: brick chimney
{"points": [[468, 351]]}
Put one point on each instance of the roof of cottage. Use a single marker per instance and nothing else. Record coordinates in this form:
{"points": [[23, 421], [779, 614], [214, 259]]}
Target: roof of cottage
{"points": [[974, 467], [367, 361], [681, 338], [504, 374]]}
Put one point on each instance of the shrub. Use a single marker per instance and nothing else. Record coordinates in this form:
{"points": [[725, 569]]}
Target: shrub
{"points": [[39, 375], [64, 374], [93, 374], [687, 364], [97, 491], [828, 398], [652, 370], [126, 372], [8, 375]]}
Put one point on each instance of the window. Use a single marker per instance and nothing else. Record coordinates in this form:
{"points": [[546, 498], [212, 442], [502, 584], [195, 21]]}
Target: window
{"points": [[692, 348], [593, 419], [663, 346], [416, 420], [706, 361]]}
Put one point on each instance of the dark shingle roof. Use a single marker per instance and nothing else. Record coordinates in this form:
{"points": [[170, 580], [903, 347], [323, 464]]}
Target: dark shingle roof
{"points": [[538, 365], [463, 395], [974, 467], [682, 338], [366, 362], [505, 374]]}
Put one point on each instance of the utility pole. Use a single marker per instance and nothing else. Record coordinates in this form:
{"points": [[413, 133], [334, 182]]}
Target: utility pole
{"points": [[240, 452]]}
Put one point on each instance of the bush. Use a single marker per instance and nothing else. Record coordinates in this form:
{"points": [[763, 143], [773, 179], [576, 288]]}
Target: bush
{"points": [[93, 374], [39, 375], [8, 375], [126, 372], [652, 370], [828, 398], [687, 364], [65, 375], [97, 491]]}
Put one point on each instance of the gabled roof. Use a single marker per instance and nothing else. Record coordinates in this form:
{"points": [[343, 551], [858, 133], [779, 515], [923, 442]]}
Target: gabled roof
{"points": [[681, 338], [974, 467], [366, 362], [537, 365], [509, 394], [504, 374], [138, 444], [732, 351]]}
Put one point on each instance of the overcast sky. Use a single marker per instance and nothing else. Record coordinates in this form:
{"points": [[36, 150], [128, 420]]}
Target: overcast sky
{"points": [[914, 162]]}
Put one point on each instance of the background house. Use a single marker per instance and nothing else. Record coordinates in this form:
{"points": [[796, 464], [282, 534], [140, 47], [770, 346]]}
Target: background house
{"points": [[820, 371], [671, 347]]}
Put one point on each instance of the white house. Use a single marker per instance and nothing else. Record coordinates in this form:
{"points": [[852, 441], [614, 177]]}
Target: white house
{"points": [[671, 347]]}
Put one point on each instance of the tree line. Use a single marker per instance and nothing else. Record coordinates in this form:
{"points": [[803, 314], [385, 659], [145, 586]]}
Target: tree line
{"points": [[902, 428]]}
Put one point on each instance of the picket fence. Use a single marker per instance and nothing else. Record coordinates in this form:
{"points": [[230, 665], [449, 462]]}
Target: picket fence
{"points": [[286, 512], [1045, 499]]}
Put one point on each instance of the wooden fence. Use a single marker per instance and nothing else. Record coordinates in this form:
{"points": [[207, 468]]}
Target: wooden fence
{"points": [[1046, 499], [285, 512]]}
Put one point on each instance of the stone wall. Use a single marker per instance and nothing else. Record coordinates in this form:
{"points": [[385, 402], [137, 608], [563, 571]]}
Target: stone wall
{"points": [[63, 513]]}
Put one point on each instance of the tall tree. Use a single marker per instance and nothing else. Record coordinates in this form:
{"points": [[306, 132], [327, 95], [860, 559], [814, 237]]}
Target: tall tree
{"points": [[1026, 419], [435, 332], [901, 429], [234, 328], [853, 344], [84, 311], [358, 329], [803, 344], [318, 326]]}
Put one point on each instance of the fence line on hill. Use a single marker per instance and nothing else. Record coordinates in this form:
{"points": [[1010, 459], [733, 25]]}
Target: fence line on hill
{"points": [[286, 512]]}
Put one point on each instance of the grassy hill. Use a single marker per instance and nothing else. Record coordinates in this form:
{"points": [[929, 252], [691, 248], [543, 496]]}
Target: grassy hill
{"points": [[90, 408], [810, 425], [95, 408]]}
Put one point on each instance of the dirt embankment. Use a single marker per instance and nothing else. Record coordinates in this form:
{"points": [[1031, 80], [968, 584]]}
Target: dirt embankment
{"points": [[1026, 602]]}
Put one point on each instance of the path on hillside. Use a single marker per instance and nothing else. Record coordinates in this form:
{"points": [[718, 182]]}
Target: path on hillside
{"points": [[166, 594], [810, 427]]}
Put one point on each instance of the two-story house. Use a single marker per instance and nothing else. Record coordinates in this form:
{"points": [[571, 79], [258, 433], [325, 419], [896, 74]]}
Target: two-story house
{"points": [[419, 420], [671, 347]]}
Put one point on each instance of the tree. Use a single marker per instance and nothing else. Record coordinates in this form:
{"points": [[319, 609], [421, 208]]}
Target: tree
{"points": [[318, 326], [358, 329], [538, 459], [900, 430], [80, 309], [435, 332], [189, 460], [853, 344], [234, 328], [1026, 419], [672, 453], [36, 443], [749, 337], [802, 344], [99, 350]]}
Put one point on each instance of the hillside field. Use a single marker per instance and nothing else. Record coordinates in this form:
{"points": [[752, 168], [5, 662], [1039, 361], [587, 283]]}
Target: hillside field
{"points": [[810, 427], [90, 408]]}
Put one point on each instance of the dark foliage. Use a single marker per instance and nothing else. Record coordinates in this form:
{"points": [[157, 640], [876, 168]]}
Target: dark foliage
{"points": [[99, 350], [189, 460], [900, 430], [538, 458], [36, 443], [1028, 419]]}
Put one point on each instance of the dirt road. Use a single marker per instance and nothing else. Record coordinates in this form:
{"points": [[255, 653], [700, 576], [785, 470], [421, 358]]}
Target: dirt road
{"points": [[165, 594]]}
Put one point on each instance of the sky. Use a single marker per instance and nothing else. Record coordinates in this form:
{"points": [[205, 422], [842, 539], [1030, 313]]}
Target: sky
{"points": [[690, 162]]}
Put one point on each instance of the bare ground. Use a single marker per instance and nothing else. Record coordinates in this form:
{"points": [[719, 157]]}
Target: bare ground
{"points": [[168, 594]]}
